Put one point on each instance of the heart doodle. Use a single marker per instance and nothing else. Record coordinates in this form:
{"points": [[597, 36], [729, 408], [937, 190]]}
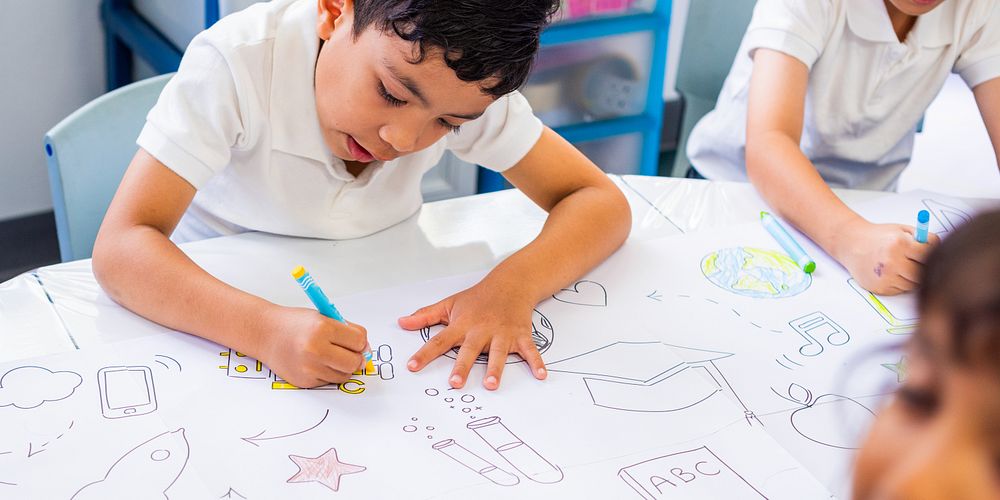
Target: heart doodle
{"points": [[584, 293]]}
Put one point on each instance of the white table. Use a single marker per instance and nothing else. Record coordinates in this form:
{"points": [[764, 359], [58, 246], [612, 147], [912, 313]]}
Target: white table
{"points": [[61, 307]]}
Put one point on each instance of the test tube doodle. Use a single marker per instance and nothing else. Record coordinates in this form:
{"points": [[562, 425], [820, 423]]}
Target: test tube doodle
{"points": [[475, 463], [524, 458]]}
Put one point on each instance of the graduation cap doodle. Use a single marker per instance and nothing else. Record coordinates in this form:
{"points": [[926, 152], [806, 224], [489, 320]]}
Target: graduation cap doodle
{"points": [[648, 376]]}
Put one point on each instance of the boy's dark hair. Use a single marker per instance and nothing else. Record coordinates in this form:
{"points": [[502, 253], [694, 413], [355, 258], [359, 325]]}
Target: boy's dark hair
{"points": [[479, 39], [962, 281]]}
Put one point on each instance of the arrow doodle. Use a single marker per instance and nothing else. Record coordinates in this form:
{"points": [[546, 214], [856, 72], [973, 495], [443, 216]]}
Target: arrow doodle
{"points": [[253, 439]]}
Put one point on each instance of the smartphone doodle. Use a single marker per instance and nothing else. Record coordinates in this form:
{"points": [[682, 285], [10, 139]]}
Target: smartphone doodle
{"points": [[126, 391]]}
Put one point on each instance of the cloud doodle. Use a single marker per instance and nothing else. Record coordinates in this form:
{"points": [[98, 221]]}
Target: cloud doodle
{"points": [[27, 387]]}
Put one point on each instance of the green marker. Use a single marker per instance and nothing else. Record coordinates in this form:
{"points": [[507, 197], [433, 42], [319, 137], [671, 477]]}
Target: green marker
{"points": [[791, 247]]}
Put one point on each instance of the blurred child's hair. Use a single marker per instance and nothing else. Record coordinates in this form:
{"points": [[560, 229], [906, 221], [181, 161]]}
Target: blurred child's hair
{"points": [[962, 282], [488, 41]]}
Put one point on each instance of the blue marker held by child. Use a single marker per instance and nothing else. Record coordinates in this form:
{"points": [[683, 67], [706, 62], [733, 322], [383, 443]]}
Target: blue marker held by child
{"points": [[923, 220], [320, 300], [791, 247]]}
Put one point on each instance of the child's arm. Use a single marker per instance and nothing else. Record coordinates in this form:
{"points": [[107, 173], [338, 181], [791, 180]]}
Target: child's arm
{"points": [[884, 258], [140, 268], [589, 219], [988, 98]]}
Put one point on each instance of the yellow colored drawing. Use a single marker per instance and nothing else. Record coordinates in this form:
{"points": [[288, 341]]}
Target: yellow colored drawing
{"points": [[897, 325], [352, 386], [239, 365]]}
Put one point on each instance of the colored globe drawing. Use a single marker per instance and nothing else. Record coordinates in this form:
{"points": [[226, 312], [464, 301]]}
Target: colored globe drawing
{"points": [[755, 272]]}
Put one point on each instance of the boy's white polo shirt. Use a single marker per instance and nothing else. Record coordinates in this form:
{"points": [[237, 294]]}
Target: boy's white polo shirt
{"points": [[238, 122], [867, 91]]}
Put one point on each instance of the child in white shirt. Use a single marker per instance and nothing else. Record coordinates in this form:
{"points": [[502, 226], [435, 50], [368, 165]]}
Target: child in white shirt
{"points": [[318, 118], [829, 93]]}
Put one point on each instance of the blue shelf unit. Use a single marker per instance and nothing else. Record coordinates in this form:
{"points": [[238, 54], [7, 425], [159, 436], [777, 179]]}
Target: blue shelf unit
{"points": [[127, 33], [649, 123]]}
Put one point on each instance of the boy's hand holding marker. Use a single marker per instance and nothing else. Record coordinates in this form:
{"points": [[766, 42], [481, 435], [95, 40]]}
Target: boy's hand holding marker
{"points": [[886, 259], [315, 347], [310, 350]]}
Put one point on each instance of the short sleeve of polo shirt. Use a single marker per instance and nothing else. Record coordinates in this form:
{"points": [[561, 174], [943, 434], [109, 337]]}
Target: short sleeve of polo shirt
{"points": [[979, 61], [794, 27], [196, 122], [501, 137]]}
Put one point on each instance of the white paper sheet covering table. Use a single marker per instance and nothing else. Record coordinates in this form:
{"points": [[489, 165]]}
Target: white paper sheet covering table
{"points": [[684, 367], [29, 325], [171, 414]]}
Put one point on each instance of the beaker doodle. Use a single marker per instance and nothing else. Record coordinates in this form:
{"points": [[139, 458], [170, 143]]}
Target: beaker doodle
{"points": [[476, 463], [523, 457]]}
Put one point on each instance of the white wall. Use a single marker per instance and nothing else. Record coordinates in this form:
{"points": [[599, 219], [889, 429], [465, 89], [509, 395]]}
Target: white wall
{"points": [[953, 154], [51, 62]]}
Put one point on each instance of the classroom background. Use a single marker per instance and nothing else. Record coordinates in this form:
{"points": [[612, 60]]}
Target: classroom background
{"points": [[607, 79]]}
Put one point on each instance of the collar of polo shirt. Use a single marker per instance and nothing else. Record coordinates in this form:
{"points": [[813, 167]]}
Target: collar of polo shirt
{"points": [[869, 19]]}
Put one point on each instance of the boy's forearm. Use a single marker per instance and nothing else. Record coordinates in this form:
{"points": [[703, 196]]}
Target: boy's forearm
{"points": [[144, 271], [791, 185], [582, 230]]}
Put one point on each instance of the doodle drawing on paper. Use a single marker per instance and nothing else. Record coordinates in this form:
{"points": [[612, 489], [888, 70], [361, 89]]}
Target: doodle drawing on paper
{"points": [[584, 293], [898, 368], [900, 322], [253, 439], [126, 391], [818, 331], [475, 463], [239, 365], [542, 334], [755, 272], [326, 469], [830, 420], [948, 217], [658, 377], [146, 471], [27, 387], [697, 473], [515, 451]]}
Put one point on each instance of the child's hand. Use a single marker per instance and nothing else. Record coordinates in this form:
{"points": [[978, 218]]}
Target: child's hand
{"points": [[885, 258], [308, 349], [478, 321]]}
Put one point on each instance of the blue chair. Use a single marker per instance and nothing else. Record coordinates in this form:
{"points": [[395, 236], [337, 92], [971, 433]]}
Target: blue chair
{"points": [[87, 154], [712, 35]]}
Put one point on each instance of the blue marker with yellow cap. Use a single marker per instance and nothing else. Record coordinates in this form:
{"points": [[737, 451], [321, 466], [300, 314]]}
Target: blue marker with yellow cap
{"points": [[320, 300]]}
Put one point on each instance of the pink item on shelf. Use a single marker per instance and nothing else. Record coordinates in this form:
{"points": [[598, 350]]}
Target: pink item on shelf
{"points": [[577, 8], [574, 9], [611, 6]]}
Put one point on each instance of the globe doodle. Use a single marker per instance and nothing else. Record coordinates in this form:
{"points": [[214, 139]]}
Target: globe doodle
{"points": [[755, 272]]}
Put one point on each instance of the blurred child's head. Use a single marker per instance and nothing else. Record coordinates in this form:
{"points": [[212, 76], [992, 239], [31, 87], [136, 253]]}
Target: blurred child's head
{"points": [[394, 76], [939, 437], [915, 7]]}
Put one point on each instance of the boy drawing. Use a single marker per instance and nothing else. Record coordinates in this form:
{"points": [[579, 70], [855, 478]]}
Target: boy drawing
{"points": [[318, 118]]}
